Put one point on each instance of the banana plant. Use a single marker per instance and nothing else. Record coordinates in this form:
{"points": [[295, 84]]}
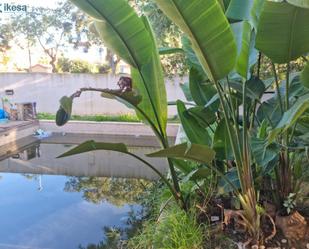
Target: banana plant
{"points": [[130, 36], [228, 69], [228, 127], [282, 45], [218, 55]]}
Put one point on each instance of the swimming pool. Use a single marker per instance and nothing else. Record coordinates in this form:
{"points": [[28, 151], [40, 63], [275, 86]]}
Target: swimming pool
{"points": [[64, 203]]}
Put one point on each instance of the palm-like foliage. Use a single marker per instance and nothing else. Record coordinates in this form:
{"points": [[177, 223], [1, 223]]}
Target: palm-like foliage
{"points": [[227, 114]]}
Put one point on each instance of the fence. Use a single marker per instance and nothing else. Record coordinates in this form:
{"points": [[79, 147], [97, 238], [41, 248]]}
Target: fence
{"points": [[46, 89]]}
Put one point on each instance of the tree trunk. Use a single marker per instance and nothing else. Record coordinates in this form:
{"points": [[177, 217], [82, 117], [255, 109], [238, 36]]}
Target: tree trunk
{"points": [[29, 58], [53, 64], [110, 58], [53, 59]]}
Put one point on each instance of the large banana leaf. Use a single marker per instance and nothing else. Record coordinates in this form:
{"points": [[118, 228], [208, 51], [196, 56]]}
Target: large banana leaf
{"points": [[283, 31], [194, 131], [120, 28], [304, 77], [256, 12], [195, 152], [248, 10], [291, 116], [201, 90], [209, 31], [270, 109], [224, 4], [130, 37], [130, 99], [150, 84], [225, 186], [247, 54], [262, 152], [255, 87], [300, 3], [203, 115], [191, 57], [92, 146], [239, 9], [186, 91], [221, 142]]}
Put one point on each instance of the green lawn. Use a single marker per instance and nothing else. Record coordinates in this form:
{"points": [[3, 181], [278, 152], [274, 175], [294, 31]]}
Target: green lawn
{"points": [[100, 118]]}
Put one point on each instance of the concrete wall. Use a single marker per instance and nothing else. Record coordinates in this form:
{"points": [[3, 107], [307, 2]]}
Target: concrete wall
{"points": [[46, 89]]}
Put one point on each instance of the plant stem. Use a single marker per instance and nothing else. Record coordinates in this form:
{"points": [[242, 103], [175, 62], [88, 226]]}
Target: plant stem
{"points": [[287, 83], [293, 131], [173, 174], [246, 165], [234, 114], [259, 64], [285, 165], [277, 87], [287, 105], [163, 178], [253, 115], [230, 131]]}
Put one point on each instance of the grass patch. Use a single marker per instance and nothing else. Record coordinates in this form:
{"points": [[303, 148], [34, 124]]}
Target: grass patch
{"points": [[175, 229], [101, 118], [96, 118]]}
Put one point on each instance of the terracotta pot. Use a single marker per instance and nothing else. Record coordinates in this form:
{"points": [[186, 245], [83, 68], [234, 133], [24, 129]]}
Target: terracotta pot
{"points": [[293, 226]]}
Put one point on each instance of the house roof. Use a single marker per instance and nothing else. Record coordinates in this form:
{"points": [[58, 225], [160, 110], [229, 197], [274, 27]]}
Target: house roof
{"points": [[42, 66]]}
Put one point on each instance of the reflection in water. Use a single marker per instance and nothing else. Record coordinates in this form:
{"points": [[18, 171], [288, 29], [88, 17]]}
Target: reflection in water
{"points": [[116, 237], [40, 210], [28, 153], [56, 219], [42, 160], [113, 190]]}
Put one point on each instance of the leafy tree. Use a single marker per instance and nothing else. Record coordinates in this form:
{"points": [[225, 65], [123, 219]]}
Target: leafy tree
{"points": [[167, 35], [84, 28], [51, 29], [6, 38]]}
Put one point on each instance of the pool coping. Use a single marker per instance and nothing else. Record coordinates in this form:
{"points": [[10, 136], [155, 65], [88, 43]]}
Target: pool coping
{"points": [[17, 130], [108, 128]]}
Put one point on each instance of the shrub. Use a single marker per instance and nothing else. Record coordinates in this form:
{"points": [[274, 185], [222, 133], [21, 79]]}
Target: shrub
{"points": [[63, 65], [103, 69], [79, 66], [175, 229], [74, 66]]}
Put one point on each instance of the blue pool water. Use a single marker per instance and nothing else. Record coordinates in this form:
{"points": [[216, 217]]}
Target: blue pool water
{"points": [[37, 213]]}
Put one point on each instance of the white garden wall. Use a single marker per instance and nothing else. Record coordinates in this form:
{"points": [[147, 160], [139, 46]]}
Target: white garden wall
{"points": [[46, 89]]}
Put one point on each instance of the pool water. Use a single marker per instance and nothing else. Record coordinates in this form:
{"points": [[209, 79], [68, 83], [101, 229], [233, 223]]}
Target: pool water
{"points": [[48, 203], [43, 215]]}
